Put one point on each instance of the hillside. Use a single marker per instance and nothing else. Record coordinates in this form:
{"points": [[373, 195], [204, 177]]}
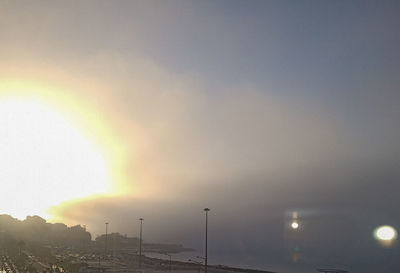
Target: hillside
{"points": [[35, 229]]}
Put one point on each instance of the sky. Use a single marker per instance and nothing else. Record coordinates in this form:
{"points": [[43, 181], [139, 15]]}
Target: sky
{"points": [[267, 112]]}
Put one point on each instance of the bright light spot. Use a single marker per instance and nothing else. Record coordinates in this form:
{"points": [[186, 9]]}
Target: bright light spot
{"points": [[295, 225], [385, 233], [45, 159]]}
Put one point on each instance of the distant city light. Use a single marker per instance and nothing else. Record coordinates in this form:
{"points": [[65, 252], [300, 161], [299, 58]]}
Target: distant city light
{"points": [[385, 233], [295, 225]]}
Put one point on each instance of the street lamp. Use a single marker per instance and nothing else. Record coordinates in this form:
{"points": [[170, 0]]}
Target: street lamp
{"points": [[140, 243], [205, 260], [106, 239]]}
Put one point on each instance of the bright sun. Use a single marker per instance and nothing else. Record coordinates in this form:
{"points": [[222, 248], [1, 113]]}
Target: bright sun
{"points": [[45, 159]]}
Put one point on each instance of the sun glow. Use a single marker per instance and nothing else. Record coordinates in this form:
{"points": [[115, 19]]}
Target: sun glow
{"points": [[45, 157]]}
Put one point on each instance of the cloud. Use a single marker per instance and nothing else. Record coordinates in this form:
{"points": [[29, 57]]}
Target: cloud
{"points": [[248, 154], [175, 130]]}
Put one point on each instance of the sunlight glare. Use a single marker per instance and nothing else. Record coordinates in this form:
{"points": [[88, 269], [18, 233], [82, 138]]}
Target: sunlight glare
{"points": [[45, 159], [385, 233]]}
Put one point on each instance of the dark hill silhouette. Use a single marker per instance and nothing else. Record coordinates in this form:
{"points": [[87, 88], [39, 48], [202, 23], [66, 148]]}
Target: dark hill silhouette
{"points": [[35, 229]]}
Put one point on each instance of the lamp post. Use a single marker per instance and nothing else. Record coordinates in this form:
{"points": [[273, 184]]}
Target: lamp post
{"points": [[105, 250], [140, 243], [206, 260]]}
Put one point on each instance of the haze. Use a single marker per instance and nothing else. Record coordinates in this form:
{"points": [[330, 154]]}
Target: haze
{"points": [[263, 111]]}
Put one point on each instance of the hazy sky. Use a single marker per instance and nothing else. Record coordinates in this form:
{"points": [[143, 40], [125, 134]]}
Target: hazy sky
{"points": [[256, 109]]}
